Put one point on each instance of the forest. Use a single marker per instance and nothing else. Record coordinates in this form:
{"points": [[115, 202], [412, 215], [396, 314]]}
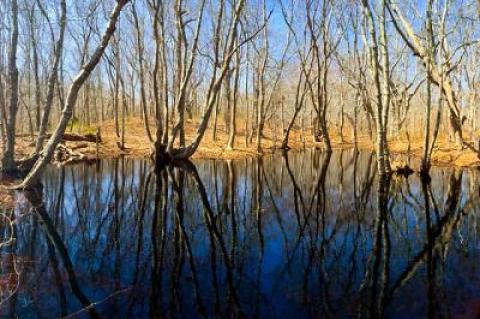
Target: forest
{"points": [[239, 158], [244, 77]]}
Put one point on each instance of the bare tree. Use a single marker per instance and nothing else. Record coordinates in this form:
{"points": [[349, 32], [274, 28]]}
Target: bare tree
{"points": [[234, 95], [306, 59], [184, 68], [53, 76], [45, 156], [35, 62], [323, 49], [220, 69], [140, 53], [8, 160], [426, 161], [382, 91], [413, 41]]}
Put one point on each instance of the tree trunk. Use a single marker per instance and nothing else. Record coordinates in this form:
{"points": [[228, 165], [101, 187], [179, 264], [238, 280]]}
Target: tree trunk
{"points": [[233, 111], [261, 76], [441, 70], [47, 153], [215, 118], [33, 42], [355, 121], [385, 87], [299, 101], [139, 39], [186, 69], [414, 43], [116, 88], [342, 113], [52, 79], [282, 115], [425, 166], [3, 110], [214, 88], [8, 160], [375, 69]]}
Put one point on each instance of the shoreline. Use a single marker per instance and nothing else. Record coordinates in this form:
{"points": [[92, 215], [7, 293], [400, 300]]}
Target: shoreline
{"points": [[137, 145], [442, 157]]}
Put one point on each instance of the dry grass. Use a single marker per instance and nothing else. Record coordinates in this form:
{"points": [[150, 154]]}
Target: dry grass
{"points": [[137, 145], [7, 200], [445, 153]]}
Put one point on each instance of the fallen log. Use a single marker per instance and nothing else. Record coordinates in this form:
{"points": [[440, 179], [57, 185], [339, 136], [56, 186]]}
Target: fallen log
{"points": [[92, 138], [64, 154], [78, 146]]}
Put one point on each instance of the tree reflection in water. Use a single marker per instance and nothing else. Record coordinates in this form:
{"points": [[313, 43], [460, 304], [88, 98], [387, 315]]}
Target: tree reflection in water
{"points": [[291, 235]]}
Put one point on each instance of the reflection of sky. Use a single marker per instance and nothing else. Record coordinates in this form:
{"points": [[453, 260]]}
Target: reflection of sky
{"points": [[277, 270]]}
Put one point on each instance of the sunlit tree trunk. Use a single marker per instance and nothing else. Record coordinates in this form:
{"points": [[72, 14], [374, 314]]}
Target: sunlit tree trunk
{"points": [[3, 107], [233, 111], [180, 71], [247, 99], [141, 73], [214, 87], [406, 31], [7, 160], [425, 166], [46, 155], [35, 62], [300, 93], [52, 79], [215, 117], [186, 70], [374, 60], [261, 82], [116, 85], [441, 70], [342, 111], [385, 86]]}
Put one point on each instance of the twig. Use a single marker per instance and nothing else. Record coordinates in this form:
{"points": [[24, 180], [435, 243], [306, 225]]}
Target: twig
{"points": [[93, 304]]}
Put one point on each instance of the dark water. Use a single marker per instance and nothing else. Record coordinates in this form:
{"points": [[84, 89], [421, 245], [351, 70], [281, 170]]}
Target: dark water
{"points": [[308, 236]]}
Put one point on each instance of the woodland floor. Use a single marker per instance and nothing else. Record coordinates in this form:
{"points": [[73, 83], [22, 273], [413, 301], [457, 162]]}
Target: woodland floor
{"points": [[137, 145]]}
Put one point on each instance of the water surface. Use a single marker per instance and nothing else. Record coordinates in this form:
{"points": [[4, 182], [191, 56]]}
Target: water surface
{"points": [[304, 236]]}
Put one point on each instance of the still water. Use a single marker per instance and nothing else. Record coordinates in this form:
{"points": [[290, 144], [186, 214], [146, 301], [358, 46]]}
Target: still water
{"points": [[303, 236]]}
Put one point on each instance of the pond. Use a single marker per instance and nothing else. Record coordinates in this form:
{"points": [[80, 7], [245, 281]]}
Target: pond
{"points": [[308, 235]]}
